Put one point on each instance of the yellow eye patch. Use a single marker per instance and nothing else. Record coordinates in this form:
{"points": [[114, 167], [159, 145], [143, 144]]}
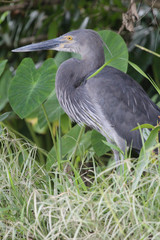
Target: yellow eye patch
{"points": [[69, 38]]}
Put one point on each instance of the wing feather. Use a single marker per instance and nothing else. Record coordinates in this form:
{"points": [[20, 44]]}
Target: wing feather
{"points": [[123, 102]]}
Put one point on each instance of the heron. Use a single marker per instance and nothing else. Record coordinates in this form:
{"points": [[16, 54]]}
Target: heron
{"points": [[110, 102]]}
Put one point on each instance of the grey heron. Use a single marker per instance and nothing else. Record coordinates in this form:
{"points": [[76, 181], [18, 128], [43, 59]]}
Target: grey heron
{"points": [[110, 102]]}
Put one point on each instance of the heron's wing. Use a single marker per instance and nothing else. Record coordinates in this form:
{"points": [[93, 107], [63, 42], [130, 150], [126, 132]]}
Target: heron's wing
{"points": [[123, 103]]}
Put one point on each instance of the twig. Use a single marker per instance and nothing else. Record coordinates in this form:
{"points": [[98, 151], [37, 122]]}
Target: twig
{"points": [[31, 39], [153, 3], [13, 7], [22, 6]]}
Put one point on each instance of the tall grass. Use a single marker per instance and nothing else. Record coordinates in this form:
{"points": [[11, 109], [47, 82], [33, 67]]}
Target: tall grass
{"points": [[42, 205]]}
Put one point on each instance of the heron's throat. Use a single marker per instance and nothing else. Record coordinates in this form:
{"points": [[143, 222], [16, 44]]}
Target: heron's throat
{"points": [[74, 72], [94, 59]]}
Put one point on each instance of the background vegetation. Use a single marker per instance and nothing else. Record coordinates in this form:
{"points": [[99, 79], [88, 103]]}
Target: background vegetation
{"points": [[57, 180]]}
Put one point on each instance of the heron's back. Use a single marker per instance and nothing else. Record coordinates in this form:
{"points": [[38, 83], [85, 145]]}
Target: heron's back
{"points": [[123, 103]]}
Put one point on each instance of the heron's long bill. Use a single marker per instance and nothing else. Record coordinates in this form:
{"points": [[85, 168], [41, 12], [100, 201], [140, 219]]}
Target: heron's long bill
{"points": [[46, 45]]}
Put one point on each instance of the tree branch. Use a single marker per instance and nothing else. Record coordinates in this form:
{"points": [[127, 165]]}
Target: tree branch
{"points": [[31, 39], [13, 7], [22, 6]]}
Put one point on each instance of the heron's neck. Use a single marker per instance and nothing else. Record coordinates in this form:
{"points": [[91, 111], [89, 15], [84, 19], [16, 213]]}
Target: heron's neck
{"points": [[73, 72], [93, 59], [89, 64]]}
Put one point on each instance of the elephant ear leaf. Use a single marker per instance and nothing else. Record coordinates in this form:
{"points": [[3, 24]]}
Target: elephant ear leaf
{"points": [[30, 87], [2, 66], [116, 52]]}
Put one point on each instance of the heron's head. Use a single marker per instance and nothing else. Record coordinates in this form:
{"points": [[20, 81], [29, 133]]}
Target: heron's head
{"points": [[82, 41]]}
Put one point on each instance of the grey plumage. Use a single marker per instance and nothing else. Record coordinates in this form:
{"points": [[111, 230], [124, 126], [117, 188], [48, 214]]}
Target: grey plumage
{"points": [[111, 102]]}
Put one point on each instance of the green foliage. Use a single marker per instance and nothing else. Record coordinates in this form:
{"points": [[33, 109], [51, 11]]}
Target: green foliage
{"points": [[31, 87], [118, 51], [5, 80], [2, 66], [112, 146], [97, 143], [69, 146], [53, 109], [151, 41], [145, 156], [3, 16], [4, 116], [138, 69], [156, 68]]}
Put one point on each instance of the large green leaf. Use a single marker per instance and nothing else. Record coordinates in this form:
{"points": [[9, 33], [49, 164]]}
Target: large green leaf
{"points": [[118, 51], [31, 87], [97, 143], [2, 66], [5, 79], [61, 57]]}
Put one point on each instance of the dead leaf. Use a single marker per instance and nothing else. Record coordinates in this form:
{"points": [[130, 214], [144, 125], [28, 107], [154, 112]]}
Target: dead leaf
{"points": [[129, 18]]}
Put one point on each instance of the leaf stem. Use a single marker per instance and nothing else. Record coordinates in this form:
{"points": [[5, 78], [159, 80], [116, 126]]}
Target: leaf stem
{"points": [[49, 125], [100, 69], [148, 50], [77, 143], [138, 69], [56, 145], [34, 137]]}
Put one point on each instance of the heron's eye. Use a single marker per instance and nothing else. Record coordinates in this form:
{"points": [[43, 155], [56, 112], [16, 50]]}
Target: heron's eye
{"points": [[69, 38]]}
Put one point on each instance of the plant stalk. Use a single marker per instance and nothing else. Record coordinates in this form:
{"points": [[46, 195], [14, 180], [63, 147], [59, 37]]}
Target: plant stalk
{"points": [[49, 125], [77, 143]]}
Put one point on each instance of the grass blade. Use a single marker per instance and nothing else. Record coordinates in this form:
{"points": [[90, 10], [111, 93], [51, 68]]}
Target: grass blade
{"points": [[147, 50], [144, 156], [138, 69]]}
